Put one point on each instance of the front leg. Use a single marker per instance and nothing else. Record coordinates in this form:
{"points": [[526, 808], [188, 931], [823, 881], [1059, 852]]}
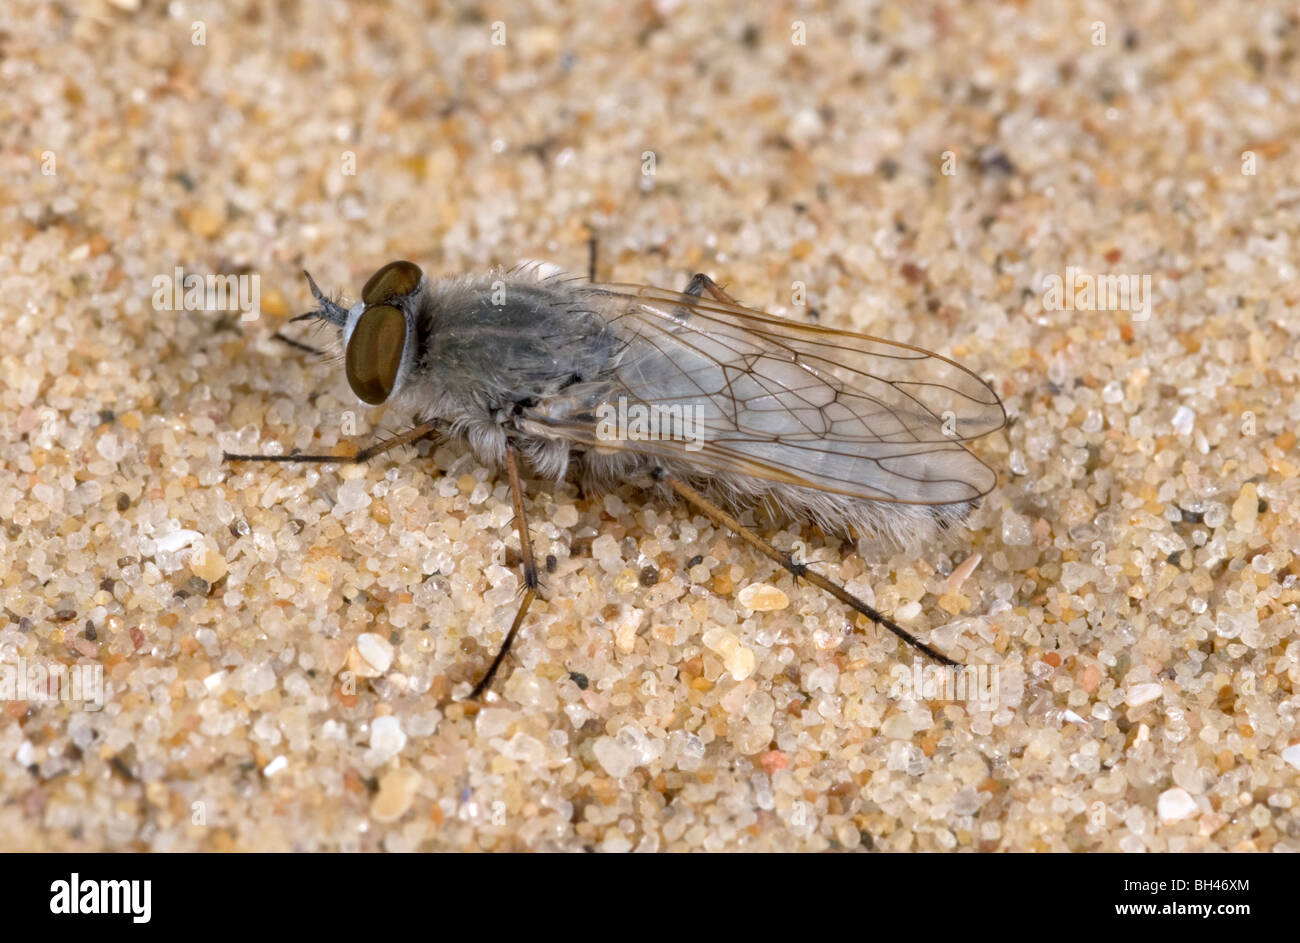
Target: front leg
{"points": [[422, 431]]}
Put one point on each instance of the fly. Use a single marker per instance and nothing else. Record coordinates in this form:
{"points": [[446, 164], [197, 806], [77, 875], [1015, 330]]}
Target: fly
{"points": [[687, 392]]}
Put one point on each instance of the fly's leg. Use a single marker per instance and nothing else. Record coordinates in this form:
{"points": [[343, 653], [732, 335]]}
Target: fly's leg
{"points": [[800, 570], [701, 283], [531, 581], [365, 455], [696, 287]]}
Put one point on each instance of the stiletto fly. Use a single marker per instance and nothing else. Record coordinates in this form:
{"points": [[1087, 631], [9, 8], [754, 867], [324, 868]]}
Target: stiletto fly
{"points": [[686, 392]]}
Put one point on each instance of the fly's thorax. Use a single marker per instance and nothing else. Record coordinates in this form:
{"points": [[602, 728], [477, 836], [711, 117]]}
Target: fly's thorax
{"points": [[509, 338]]}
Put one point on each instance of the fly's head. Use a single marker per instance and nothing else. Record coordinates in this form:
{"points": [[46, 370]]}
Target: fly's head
{"points": [[379, 337]]}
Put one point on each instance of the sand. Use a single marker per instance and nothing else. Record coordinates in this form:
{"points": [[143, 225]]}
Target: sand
{"points": [[280, 647]]}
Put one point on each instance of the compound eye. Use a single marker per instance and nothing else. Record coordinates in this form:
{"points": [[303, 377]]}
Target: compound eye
{"points": [[374, 353], [392, 281]]}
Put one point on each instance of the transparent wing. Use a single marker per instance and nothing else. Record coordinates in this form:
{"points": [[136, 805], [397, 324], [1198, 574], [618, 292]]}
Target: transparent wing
{"points": [[783, 401]]}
